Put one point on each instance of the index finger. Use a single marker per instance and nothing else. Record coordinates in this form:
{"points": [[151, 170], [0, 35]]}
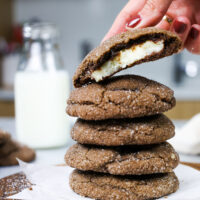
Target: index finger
{"points": [[131, 9], [153, 12]]}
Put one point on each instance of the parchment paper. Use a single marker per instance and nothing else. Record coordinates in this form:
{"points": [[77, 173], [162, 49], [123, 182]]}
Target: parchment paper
{"points": [[52, 182]]}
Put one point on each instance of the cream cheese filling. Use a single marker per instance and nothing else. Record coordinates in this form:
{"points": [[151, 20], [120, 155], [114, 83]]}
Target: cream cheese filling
{"points": [[127, 57]]}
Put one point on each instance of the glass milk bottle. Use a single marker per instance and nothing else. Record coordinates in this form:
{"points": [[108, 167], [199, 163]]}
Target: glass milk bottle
{"points": [[41, 90]]}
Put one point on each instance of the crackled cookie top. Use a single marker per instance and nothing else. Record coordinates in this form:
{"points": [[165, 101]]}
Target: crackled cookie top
{"points": [[123, 160], [115, 132], [126, 96], [109, 187], [125, 50]]}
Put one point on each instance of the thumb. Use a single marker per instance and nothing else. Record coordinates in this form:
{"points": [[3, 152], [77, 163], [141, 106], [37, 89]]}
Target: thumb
{"points": [[152, 13]]}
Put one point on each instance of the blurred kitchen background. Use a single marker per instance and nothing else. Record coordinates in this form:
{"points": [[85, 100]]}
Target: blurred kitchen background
{"points": [[82, 24]]}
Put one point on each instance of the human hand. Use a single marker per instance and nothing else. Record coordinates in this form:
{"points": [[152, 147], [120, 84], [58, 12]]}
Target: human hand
{"points": [[144, 13]]}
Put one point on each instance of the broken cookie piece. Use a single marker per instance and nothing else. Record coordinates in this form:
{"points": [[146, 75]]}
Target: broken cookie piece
{"points": [[125, 50]]}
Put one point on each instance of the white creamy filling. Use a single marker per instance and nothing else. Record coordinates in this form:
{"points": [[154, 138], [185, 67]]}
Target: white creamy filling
{"points": [[127, 57]]}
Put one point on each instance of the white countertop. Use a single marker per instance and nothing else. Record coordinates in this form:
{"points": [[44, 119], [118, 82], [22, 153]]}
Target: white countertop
{"points": [[56, 156]]}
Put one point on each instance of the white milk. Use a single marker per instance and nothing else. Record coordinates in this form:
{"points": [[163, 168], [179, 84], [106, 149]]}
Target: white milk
{"points": [[40, 102]]}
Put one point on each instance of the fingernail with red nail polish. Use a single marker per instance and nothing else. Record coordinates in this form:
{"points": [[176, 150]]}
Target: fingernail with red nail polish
{"points": [[194, 33], [134, 21], [179, 27]]}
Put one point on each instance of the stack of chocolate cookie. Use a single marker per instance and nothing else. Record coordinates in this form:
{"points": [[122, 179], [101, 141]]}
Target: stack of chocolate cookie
{"points": [[121, 132], [10, 150]]}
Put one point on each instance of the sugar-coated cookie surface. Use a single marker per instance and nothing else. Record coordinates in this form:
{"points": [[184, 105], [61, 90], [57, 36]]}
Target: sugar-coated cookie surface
{"points": [[115, 132], [127, 96], [123, 160], [13, 184], [109, 187], [126, 50]]}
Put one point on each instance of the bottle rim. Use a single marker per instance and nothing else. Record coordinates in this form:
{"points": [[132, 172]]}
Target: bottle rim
{"points": [[40, 30]]}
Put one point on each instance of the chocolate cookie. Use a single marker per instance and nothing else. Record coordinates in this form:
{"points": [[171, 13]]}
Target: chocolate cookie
{"points": [[126, 96], [124, 160], [109, 187], [126, 50], [22, 152], [4, 136], [12, 185], [115, 132], [8, 147]]}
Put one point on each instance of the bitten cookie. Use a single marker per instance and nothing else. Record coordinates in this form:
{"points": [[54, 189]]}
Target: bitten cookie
{"points": [[127, 96], [22, 152], [124, 160], [126, 50], [147, 130], [109, 187]]}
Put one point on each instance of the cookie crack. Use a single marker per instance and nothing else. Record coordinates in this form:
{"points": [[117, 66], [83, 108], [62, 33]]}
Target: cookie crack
{"points": [[105, 99], [118, 159], [115, 187], [164, 100]]}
